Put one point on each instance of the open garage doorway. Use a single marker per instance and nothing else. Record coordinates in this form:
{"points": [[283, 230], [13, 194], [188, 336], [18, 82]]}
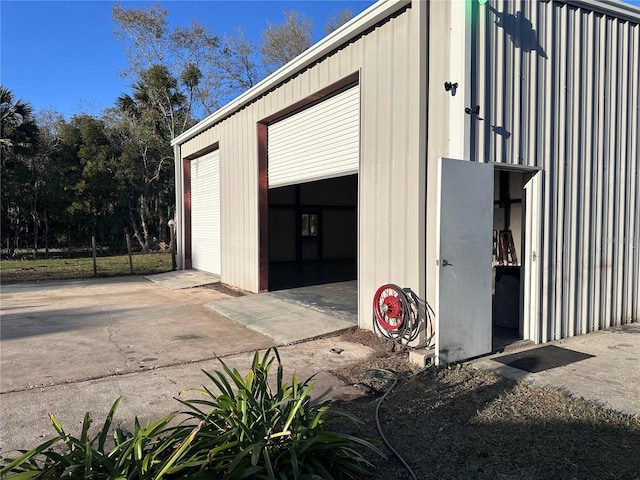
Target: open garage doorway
{"points": [[312, 233], [309, 155]]}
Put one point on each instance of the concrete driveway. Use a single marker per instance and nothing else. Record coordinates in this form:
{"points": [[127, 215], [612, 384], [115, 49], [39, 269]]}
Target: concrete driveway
{"points": [[69, 347], [73, 347]]}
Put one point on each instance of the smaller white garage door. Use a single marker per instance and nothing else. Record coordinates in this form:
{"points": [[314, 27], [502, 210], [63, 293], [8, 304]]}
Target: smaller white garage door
{"points": [[320, 142], [205, 213]]}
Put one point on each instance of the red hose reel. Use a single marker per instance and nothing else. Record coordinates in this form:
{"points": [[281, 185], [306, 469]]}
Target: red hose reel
{"points": [[399, 315], [389, 307]]}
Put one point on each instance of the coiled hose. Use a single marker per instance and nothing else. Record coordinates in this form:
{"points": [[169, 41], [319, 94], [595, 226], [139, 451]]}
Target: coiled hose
{"points": [[399, 315]]}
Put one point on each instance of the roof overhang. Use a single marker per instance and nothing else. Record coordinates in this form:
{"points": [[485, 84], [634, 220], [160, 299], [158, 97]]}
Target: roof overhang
{"points": [[614, 8], [361, 23]]}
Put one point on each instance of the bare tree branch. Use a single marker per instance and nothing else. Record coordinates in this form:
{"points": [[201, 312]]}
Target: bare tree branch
{"points": [[284, 42]]}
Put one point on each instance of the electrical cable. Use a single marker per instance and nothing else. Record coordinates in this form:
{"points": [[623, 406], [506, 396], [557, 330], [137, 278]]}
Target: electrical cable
{"points": [[384, 375]]}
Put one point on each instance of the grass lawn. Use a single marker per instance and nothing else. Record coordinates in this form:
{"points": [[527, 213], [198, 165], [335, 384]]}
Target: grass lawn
{"points": [[17, 271]]}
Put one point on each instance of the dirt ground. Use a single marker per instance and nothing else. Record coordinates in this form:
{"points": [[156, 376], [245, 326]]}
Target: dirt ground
{"points": [[458, 423]]}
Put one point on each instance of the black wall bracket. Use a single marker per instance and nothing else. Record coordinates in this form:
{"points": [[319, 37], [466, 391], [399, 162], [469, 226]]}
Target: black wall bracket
{"points": [[475, 110]]}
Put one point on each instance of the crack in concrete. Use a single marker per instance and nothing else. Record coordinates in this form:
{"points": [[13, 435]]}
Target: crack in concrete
{"points": [[115, 344]]}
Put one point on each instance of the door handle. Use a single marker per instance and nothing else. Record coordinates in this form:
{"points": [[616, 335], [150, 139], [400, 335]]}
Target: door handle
{"points": [[445, 263]]}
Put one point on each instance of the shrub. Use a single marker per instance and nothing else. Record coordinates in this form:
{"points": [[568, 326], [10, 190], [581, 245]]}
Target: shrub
{"points": [[248, 430], [134, 455]]}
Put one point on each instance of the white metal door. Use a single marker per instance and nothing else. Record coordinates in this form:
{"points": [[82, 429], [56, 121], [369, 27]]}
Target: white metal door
{"points": [[205, 213], [322, 141], [465, 220], [530, 258]]}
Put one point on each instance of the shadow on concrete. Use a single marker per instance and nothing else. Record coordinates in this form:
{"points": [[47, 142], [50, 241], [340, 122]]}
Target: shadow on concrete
{"points": [[338, 300], [52, 321]]}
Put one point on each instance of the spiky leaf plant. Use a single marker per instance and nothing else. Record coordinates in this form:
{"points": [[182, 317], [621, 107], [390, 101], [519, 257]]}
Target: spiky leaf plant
{"points": [[255, 429], [130, 455], [247, 430]]}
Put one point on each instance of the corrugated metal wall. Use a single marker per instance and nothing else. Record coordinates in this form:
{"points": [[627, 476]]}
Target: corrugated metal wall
{"points": [[391, 179], [390, 173], [559, 88]]}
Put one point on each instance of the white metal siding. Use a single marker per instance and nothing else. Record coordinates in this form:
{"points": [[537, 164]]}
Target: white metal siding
{"points": [[391, 172], [205, 213], [319, 142], [559, 88]]}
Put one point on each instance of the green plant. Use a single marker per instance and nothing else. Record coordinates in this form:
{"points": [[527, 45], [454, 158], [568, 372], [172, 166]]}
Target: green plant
{"points": [[253, 430], [248, 430], [134, 455]]}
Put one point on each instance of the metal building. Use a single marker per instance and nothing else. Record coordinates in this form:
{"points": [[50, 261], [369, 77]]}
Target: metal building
{"points": [[485, 156]]}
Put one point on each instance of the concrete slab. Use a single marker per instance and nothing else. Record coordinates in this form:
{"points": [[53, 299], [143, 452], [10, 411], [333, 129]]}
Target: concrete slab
{"points": [[181, 279], [609, 378], [150, 394], [71, 347], [62, 332], [339, 300], [283, 321]]}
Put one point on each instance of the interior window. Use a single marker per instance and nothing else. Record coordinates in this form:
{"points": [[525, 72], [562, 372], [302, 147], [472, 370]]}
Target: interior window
{"points": [[309, 224]]}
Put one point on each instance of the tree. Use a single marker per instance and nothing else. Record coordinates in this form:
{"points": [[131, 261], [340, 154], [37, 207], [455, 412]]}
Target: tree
{"points": [[158, 102], [43, 181], [338, 19], [284, 42], [145, 174], [156, 54], [174, 73], [147, 152], [177, 74], [18, 146], [238, 65], [19, 133], [95, 207]]}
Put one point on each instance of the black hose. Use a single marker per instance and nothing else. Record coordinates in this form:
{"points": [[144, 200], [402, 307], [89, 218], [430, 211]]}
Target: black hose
{"points": [[384, 375]]}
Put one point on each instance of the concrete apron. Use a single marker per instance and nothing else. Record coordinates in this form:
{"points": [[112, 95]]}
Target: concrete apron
{"points": [[74, 347], [609, 378], [284, 322], [288, 316]]}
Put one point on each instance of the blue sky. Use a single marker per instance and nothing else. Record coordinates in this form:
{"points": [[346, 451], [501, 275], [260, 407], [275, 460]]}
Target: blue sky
{"points": [[63, 56]]}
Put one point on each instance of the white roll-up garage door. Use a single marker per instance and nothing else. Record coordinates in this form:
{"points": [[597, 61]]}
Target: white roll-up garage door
{"points": [[205, 213], [322, 141]]}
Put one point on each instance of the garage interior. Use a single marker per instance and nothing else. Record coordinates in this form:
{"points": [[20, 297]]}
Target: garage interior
{"points": [[313, 233], [507, 257]]}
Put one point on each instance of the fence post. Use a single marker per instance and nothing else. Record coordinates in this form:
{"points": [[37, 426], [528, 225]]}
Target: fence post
{"points": [[128, 238], [172, 242], [93, 247]]}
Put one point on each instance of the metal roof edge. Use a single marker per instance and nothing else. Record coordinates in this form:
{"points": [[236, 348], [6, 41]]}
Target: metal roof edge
{"points": [[370, 17], [612, 7]]}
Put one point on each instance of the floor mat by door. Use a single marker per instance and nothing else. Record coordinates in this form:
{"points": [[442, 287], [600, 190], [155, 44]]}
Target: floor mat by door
{"points": [[542, 358]]}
